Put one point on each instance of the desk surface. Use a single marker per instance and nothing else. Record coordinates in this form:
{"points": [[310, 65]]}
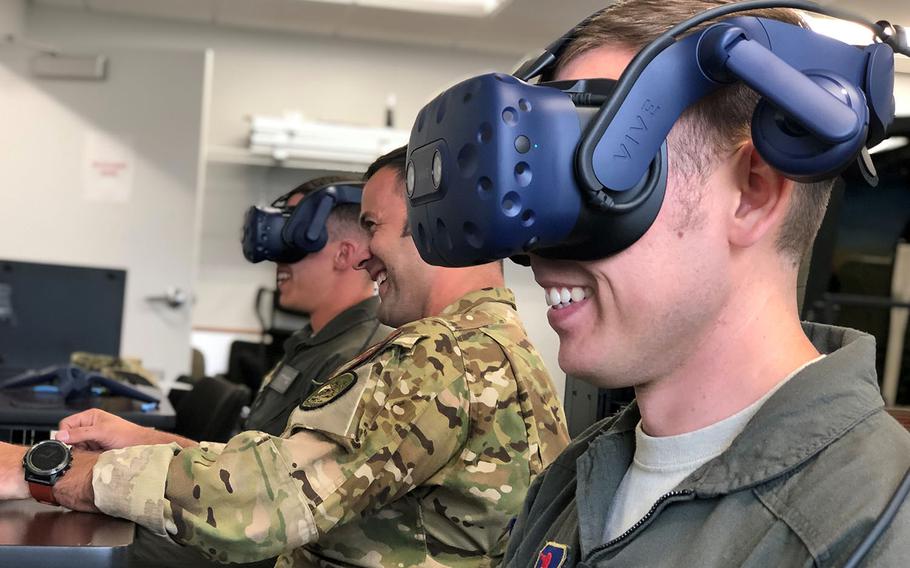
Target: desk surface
{"points": [[32, 534], [26, 408]]}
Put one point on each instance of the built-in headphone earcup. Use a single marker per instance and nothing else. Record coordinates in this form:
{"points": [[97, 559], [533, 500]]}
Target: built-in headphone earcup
{"points": [[304, 237], [796, 152]]}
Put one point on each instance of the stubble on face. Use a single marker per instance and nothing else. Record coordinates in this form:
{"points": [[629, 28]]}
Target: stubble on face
{"points": [[403, 294]]}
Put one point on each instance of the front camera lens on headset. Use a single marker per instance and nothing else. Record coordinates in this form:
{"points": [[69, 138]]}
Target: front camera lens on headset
{"points": [[411, 179], [437, 169]]}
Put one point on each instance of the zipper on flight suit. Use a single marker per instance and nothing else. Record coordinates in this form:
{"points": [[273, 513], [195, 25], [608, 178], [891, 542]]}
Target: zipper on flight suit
{"points": [[666, 498]]}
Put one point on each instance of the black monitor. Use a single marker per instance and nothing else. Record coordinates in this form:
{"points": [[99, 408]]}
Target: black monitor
{"points": [[48, 311]]}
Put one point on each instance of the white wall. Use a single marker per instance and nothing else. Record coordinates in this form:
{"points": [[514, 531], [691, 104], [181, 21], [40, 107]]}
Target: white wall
{"points": [[152, 102], [269, 73], [12, 17]]}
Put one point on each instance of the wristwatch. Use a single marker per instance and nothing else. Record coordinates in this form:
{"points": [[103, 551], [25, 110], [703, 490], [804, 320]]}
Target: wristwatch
{"points": [[44, 464]]}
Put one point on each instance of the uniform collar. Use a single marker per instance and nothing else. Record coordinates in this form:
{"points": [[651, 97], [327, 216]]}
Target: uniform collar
{"points": [[356, 314], [810, 412], [473, 299], [807, 414], [813, 410]]}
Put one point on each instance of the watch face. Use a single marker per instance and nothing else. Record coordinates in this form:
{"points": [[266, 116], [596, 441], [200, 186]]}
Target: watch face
{"points": [[47, 456]]}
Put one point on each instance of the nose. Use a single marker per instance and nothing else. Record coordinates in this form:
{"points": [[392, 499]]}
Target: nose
{"points": [[366, 257]]}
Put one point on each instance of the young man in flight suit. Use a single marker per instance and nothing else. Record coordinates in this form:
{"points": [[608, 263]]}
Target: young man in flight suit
{"points": [[754, 440], [416, 453], [341, 303]]}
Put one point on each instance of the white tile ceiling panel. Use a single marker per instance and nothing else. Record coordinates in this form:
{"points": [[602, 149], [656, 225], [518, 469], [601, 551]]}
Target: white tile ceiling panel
{"points": [[284, 15], [527, 25], [408, 27], [62, 3], [187, 10], [520, 27]]}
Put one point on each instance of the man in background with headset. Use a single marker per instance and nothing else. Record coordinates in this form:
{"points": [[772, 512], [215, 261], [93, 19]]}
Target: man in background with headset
{"points": [[341, 303], [416, 453], [749, 443]]}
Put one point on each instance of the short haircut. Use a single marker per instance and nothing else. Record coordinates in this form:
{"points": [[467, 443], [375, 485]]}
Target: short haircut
{"points": [[396, 159], [713, 127], [344, 220]]}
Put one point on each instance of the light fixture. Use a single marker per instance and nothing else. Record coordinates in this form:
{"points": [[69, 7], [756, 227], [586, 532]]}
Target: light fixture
{"points": [[841, 30], [473, 8], [889, 144]]}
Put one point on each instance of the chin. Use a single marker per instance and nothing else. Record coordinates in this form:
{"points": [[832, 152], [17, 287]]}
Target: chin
{"points": [[590, 364]]}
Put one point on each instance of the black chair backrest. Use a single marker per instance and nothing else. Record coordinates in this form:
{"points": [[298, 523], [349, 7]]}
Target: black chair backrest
{"points": [[211, 411]]}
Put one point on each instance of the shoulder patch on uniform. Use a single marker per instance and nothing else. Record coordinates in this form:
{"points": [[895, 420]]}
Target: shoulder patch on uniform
{"points": [[330, 391], [553, 555], [408, 340]]}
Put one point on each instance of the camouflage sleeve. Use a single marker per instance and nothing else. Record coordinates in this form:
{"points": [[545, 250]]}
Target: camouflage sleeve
{"points": [[236, 502], [363, 446], [406, 416]]}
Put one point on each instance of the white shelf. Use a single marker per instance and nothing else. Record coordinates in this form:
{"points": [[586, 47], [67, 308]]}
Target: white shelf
{"points": [[242, 156]]}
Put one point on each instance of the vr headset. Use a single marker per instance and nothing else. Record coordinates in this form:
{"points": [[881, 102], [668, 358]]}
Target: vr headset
{"points": [[498, 167], [284, 234]]}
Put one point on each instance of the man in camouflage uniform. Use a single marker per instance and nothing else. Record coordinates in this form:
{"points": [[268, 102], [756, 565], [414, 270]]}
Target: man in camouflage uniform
{"points": [[417, 453]]}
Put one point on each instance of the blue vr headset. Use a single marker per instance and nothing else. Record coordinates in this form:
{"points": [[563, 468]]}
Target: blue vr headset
{"points": [[498, 167], [280, 233]]}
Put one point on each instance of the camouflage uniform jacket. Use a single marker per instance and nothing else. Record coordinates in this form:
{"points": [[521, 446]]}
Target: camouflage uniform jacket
{"points": [[417, 453]]}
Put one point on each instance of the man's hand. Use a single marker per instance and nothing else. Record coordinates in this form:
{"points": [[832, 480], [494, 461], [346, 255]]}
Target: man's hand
{"points": [[97, 430], [74, 489], [12, 476]]}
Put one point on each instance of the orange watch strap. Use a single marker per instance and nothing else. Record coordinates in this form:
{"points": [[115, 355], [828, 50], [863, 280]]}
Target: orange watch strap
{"points": [[42, 493]]}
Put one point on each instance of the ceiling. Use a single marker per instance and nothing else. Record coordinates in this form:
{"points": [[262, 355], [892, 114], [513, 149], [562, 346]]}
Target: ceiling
{"points": [[519, 27], [522, 26]]}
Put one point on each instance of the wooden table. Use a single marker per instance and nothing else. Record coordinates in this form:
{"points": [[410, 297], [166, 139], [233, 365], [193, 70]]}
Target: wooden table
{"points": [[38, 536]]}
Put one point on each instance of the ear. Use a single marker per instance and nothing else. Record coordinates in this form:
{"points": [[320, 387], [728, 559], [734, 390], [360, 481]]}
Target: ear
{"points": [[761, 201], [348, 255], [341, 260]]}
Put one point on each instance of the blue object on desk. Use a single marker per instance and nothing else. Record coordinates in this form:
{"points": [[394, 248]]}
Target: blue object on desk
{"points": [[73, 382]]}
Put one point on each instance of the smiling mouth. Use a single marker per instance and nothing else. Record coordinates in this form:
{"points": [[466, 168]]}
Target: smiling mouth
{"points": [[562, 297], [282, 277], [381, 278]]}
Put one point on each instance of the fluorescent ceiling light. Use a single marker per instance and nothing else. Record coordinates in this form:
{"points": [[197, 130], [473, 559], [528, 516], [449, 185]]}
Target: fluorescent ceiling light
{"points": [[847, 32], [889, 144], [842, 30], [475, 8]]}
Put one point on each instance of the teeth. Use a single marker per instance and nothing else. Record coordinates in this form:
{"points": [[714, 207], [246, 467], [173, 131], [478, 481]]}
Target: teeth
{"points": [[553, 297], [558, 298], [381, 277], [578, 294], [283, 277]]}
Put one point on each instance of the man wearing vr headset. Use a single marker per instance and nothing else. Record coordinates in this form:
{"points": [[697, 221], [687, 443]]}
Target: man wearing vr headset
{"points": [[416, 453], [753, 440], [325, 284]]}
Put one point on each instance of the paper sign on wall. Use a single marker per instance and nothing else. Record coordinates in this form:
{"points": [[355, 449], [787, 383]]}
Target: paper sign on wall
{"points": [[107, 168]]}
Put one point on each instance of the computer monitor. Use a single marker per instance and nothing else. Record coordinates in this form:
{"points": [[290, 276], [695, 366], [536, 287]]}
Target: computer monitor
{"points": [[48, 311]]}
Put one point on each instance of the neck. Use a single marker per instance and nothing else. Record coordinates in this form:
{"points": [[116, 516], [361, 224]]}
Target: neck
{"points": [[339, 299], [754, 344], [453, 283]]}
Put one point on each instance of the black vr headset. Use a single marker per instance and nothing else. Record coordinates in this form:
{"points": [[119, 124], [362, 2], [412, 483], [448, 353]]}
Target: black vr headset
{"points": [[498, 167], [285, 234]]}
